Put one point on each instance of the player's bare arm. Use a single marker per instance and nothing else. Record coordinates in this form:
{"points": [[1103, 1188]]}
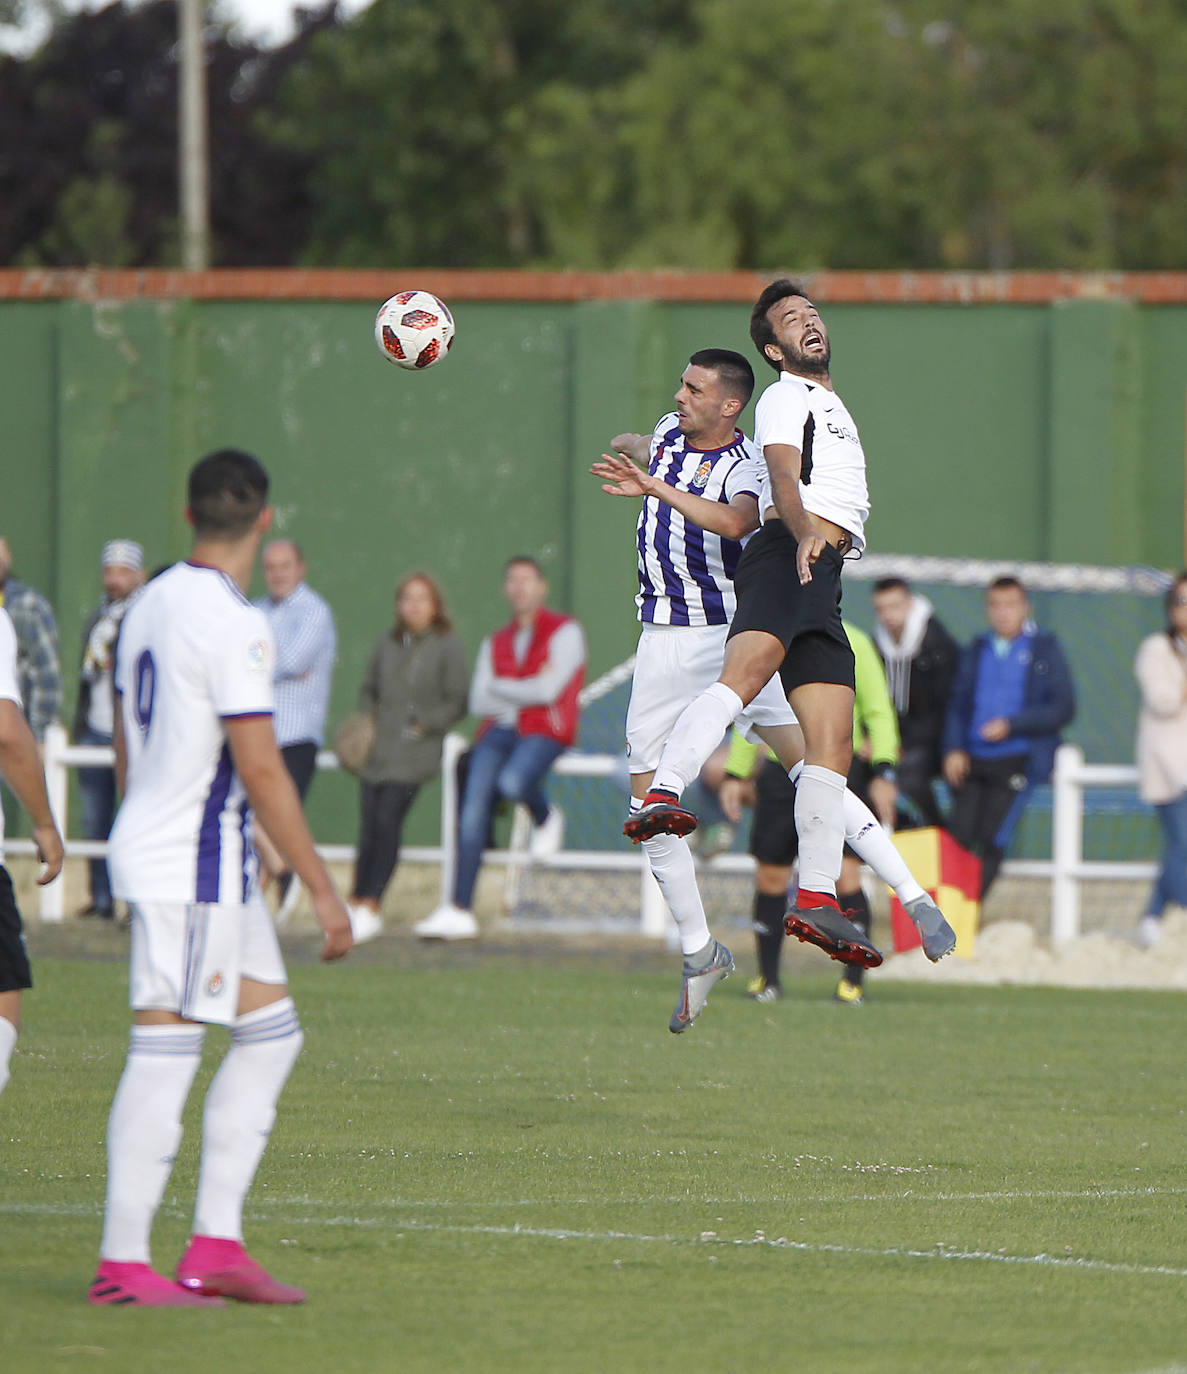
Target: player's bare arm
{"points": [[621, 477], [636, 446], [273, 797], [20, 765], [811, 532]]}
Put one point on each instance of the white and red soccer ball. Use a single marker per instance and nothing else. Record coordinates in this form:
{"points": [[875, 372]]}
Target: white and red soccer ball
{"points": [[414, 329]]}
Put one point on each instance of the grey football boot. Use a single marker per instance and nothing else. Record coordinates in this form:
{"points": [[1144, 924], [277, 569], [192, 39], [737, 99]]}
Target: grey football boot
{"points": [[937, 935], [699, 978]]}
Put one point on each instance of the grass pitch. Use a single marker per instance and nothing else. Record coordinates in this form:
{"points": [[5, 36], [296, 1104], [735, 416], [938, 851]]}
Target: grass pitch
{"points": [[491, 1162]]}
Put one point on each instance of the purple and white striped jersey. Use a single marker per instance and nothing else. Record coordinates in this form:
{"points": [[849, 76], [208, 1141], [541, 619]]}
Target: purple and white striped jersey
{"points": [[193, 652], [685, 572]]}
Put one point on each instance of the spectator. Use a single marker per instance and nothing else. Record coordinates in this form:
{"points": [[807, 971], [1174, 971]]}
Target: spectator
{"points": [[122, 571], [39, 671], [526, 683], [1161, 669], [415, 688], [1012, 696], [920, 657], [303, 627]]}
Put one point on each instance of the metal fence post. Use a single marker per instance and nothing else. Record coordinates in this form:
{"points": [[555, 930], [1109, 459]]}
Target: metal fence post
{"points": [[57, 786], [1067, 842], [453, 747]]}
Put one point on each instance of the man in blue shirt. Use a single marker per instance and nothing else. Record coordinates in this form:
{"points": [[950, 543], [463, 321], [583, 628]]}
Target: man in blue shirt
{"points": [[1012, 695], [306, 645]]}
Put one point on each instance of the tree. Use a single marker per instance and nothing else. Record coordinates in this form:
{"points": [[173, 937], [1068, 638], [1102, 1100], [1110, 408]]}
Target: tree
{"points": [[88, 144]]}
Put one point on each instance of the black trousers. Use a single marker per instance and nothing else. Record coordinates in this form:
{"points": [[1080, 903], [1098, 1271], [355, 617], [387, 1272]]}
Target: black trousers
{"points": [[980, 806], [916, 770], [301, 761], [382, 808]]}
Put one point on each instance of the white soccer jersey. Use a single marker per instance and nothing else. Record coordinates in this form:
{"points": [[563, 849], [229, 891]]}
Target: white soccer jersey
{"points": [[9, 687], [814, 420], [685, 572], [193, 651]]}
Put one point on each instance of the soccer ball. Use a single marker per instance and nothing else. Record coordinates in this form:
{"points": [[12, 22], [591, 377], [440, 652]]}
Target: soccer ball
{"points": [[414, 329]]}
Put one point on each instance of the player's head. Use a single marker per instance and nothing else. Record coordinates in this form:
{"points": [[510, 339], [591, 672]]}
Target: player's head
{"points": [[1176, 607], [1007, 607], [714, 389], [788, 332], [420, 606], [284, 567], [524, 585], [226, 495], [892, 603]]}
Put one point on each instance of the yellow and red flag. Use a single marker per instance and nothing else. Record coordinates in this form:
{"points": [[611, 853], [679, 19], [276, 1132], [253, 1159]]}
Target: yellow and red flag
{"points": [[951, 877]]}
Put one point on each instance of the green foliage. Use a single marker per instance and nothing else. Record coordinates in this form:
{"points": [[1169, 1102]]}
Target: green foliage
{"points": [[699, 134], [496, 1162]]}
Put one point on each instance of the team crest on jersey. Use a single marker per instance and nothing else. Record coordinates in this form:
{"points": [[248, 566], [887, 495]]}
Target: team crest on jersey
{"points": [[258, 655], [215, 985], [701, 476]]}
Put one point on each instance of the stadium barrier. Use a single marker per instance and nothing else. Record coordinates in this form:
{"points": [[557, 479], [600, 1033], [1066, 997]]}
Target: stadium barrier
{"points": [[1066, 869]]}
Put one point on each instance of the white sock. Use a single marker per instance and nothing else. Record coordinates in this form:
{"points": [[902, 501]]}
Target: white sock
{"points": [[672, 863], [240, 1108], [7, 1041], [695, 735], [143, 1133], [865, 836], [819, 822]]}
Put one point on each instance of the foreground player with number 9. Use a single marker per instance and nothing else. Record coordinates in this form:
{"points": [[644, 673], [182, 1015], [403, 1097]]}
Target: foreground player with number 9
{"points": [[194, 749]]}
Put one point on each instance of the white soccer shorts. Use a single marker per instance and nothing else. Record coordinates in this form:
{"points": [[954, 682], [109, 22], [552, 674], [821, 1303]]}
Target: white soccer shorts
{"points": [[674, 664], [190, 958]]}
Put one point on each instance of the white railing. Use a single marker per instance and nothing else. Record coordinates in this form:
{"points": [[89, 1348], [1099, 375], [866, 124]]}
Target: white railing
{"points": [[1067, 868]]}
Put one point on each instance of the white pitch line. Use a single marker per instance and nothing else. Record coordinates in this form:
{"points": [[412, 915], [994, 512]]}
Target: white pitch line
{"points": [[562, 1233], [782, 1243]]}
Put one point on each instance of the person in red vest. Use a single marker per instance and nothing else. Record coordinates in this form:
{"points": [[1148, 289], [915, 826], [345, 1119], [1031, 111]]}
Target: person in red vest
{"points": [[525, 686]]}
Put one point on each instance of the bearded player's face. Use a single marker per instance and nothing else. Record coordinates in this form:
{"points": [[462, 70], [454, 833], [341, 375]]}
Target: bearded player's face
{"points": [[801, 336]]}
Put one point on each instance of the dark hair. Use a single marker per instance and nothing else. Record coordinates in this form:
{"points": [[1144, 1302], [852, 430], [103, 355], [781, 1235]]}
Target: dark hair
{"points": [[226, 492], [440, 621], [891, 584], [522, 558], [1168, 601], [1007, 584], [761, 332], [735, 373]]}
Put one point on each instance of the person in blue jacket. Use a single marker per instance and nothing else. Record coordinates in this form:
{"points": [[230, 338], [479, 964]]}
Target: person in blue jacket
{"points": [[1012, 696]]}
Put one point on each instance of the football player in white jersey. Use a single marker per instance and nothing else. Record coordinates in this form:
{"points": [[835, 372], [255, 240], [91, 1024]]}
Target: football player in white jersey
{"points": [[813, 504], [703, 475], [196, 755], [20, 767]]}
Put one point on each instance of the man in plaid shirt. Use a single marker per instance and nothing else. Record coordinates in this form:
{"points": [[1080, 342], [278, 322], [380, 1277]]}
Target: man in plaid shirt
{"points": [[39, 672]]}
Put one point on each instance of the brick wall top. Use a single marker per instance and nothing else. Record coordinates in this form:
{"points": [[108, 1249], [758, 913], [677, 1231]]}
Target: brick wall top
{"points": [[884, 288]]}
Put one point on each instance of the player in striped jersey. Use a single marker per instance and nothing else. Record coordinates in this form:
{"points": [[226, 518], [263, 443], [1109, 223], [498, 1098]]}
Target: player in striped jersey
{"points": [[196, 755], [700, 504]]}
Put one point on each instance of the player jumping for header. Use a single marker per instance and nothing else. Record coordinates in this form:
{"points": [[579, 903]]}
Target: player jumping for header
{"points": [[700, 494]]}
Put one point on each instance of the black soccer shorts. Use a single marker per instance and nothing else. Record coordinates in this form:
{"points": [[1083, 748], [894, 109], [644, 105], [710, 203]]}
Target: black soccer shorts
{"points": [[15, 973], [805, 619]]}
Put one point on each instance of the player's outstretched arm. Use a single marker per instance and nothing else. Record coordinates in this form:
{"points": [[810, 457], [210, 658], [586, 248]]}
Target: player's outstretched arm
{"points": [[20, 766], [274, 799], [620, 477], [636, 446]]}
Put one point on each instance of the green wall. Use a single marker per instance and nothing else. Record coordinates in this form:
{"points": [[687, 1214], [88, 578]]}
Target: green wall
{"points": [[1032, 432]]}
